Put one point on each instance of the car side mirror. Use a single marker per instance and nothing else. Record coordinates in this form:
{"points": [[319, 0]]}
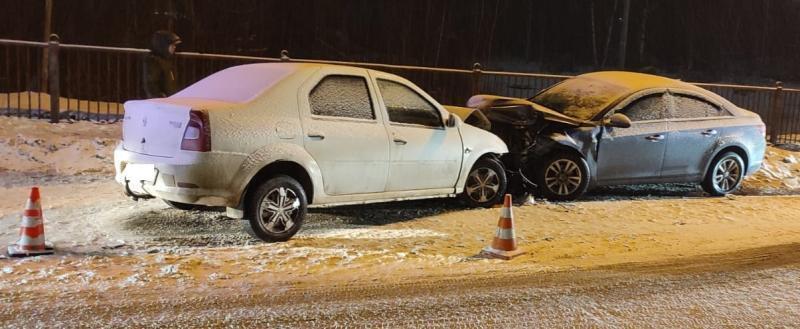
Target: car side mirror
{"points": [[618, 120], [451, 120]]}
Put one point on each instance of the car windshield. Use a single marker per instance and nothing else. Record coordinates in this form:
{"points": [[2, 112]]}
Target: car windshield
{"points": [[238, 84], [580, 97]]}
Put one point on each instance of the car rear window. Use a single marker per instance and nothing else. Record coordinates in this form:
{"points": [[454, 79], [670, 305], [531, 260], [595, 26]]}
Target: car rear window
{"points": [[691, 107], [238, 84]]}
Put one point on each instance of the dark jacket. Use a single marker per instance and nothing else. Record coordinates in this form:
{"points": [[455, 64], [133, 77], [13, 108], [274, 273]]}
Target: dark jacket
{"points": [[158, 71]]}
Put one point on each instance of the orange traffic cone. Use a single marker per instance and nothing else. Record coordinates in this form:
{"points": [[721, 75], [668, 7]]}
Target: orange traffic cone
{"points": [[31, 233], [504, 245]]}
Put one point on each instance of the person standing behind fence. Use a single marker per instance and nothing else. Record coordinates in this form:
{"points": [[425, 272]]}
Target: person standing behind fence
{"points": [[159, 69]]}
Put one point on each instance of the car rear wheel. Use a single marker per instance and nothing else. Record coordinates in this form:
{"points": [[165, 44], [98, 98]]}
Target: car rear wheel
{"points": [[180, 205], [486, 183], [275, 210], [562, 176], [725, 174]]}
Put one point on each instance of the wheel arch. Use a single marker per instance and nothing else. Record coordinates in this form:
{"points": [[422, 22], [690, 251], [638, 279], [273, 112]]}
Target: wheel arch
{"points": [[287, 158], [555, 148], [563, 142], [462, 179], [277, 168], [738, 149]]}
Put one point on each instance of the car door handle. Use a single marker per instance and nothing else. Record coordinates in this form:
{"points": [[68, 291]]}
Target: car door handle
{"points": [[710, 132], [316, 136], [399, 141], [655, 138]]}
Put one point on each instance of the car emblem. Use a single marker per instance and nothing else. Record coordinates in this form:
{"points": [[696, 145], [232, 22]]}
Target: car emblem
{"points": [[143, 140]]}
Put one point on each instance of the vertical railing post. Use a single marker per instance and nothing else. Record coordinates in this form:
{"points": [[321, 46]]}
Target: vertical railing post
{"points": [[476, 78], [776, 114], [53, 78]]}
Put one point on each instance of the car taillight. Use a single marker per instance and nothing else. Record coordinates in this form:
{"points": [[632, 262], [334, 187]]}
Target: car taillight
{"points": [[197, 136], [763, 129]]}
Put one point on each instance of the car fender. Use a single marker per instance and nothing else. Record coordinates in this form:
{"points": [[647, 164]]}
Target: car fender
{"points": [[573, 139], [476, 143], [722, 144], [270, 154]]}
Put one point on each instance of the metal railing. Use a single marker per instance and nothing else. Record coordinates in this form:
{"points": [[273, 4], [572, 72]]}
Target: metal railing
{"points": [[51, 80]]}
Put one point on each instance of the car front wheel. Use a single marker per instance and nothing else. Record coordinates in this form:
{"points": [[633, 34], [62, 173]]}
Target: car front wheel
{"points": [[275, 210], [562, 177], [725, 174], [486, 183]]}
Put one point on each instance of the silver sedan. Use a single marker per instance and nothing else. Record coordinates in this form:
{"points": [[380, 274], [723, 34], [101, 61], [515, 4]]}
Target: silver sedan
{"points": [[620, 128]]}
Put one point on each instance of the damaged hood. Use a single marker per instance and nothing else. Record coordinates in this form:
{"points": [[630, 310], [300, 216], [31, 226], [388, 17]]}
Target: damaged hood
{"points": [[488, 103], [470, 116]]}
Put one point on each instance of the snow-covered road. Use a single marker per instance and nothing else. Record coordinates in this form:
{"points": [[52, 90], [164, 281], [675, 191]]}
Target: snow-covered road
{"points": [[749, 288]]}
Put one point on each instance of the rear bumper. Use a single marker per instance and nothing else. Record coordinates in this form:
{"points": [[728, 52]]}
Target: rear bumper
{"points": [[203, 179], [754, 166], [756, 157]]}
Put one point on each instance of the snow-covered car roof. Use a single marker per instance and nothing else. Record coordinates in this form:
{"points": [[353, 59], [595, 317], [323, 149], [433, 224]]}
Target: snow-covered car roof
{"points": [[586, 95], [240, 84], [633, 81]]}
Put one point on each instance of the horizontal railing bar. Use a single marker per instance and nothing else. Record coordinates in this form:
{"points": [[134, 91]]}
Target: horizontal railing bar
{"points": [[22, 43], [388, 66], [221, 56], [532, 75], [376, 65], [104, 48], [745, 87], [448, 92]]}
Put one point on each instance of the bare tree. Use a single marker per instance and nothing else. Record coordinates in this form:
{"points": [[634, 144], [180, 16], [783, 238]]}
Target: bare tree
{"points": [[609, 34], [623, 34], [643, 30], [593, 33], [441, 34]]}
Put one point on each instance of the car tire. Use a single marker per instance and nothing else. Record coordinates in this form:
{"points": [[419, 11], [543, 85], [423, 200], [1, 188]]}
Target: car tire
{"points": [[486, 183], [725, 174], [181, 205], [562, 176], [275, 209]]}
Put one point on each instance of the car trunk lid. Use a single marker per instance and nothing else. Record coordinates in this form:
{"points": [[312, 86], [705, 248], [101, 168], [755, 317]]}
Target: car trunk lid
{"points": [[154, 128]]}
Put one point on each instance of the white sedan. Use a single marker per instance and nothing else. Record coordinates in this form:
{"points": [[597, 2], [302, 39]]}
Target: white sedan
{"points": [[268, 140]]}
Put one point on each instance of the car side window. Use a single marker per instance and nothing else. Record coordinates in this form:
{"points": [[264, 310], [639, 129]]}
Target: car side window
{"points": [[650, 107], [691, 107], [404, 105], [342, 96]]}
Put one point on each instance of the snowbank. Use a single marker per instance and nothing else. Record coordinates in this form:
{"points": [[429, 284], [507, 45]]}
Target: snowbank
{"points": [[37, 146], [780, 174]]}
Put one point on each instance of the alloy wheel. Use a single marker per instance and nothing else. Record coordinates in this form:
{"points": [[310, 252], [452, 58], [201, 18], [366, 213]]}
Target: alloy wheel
{"points": [[727, 174], [563, 177], [482, 184], [278, 210]]}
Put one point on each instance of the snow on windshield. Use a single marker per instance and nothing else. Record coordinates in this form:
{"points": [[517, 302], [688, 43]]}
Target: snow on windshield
{"points": [[580, 97], [238, 84]]}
